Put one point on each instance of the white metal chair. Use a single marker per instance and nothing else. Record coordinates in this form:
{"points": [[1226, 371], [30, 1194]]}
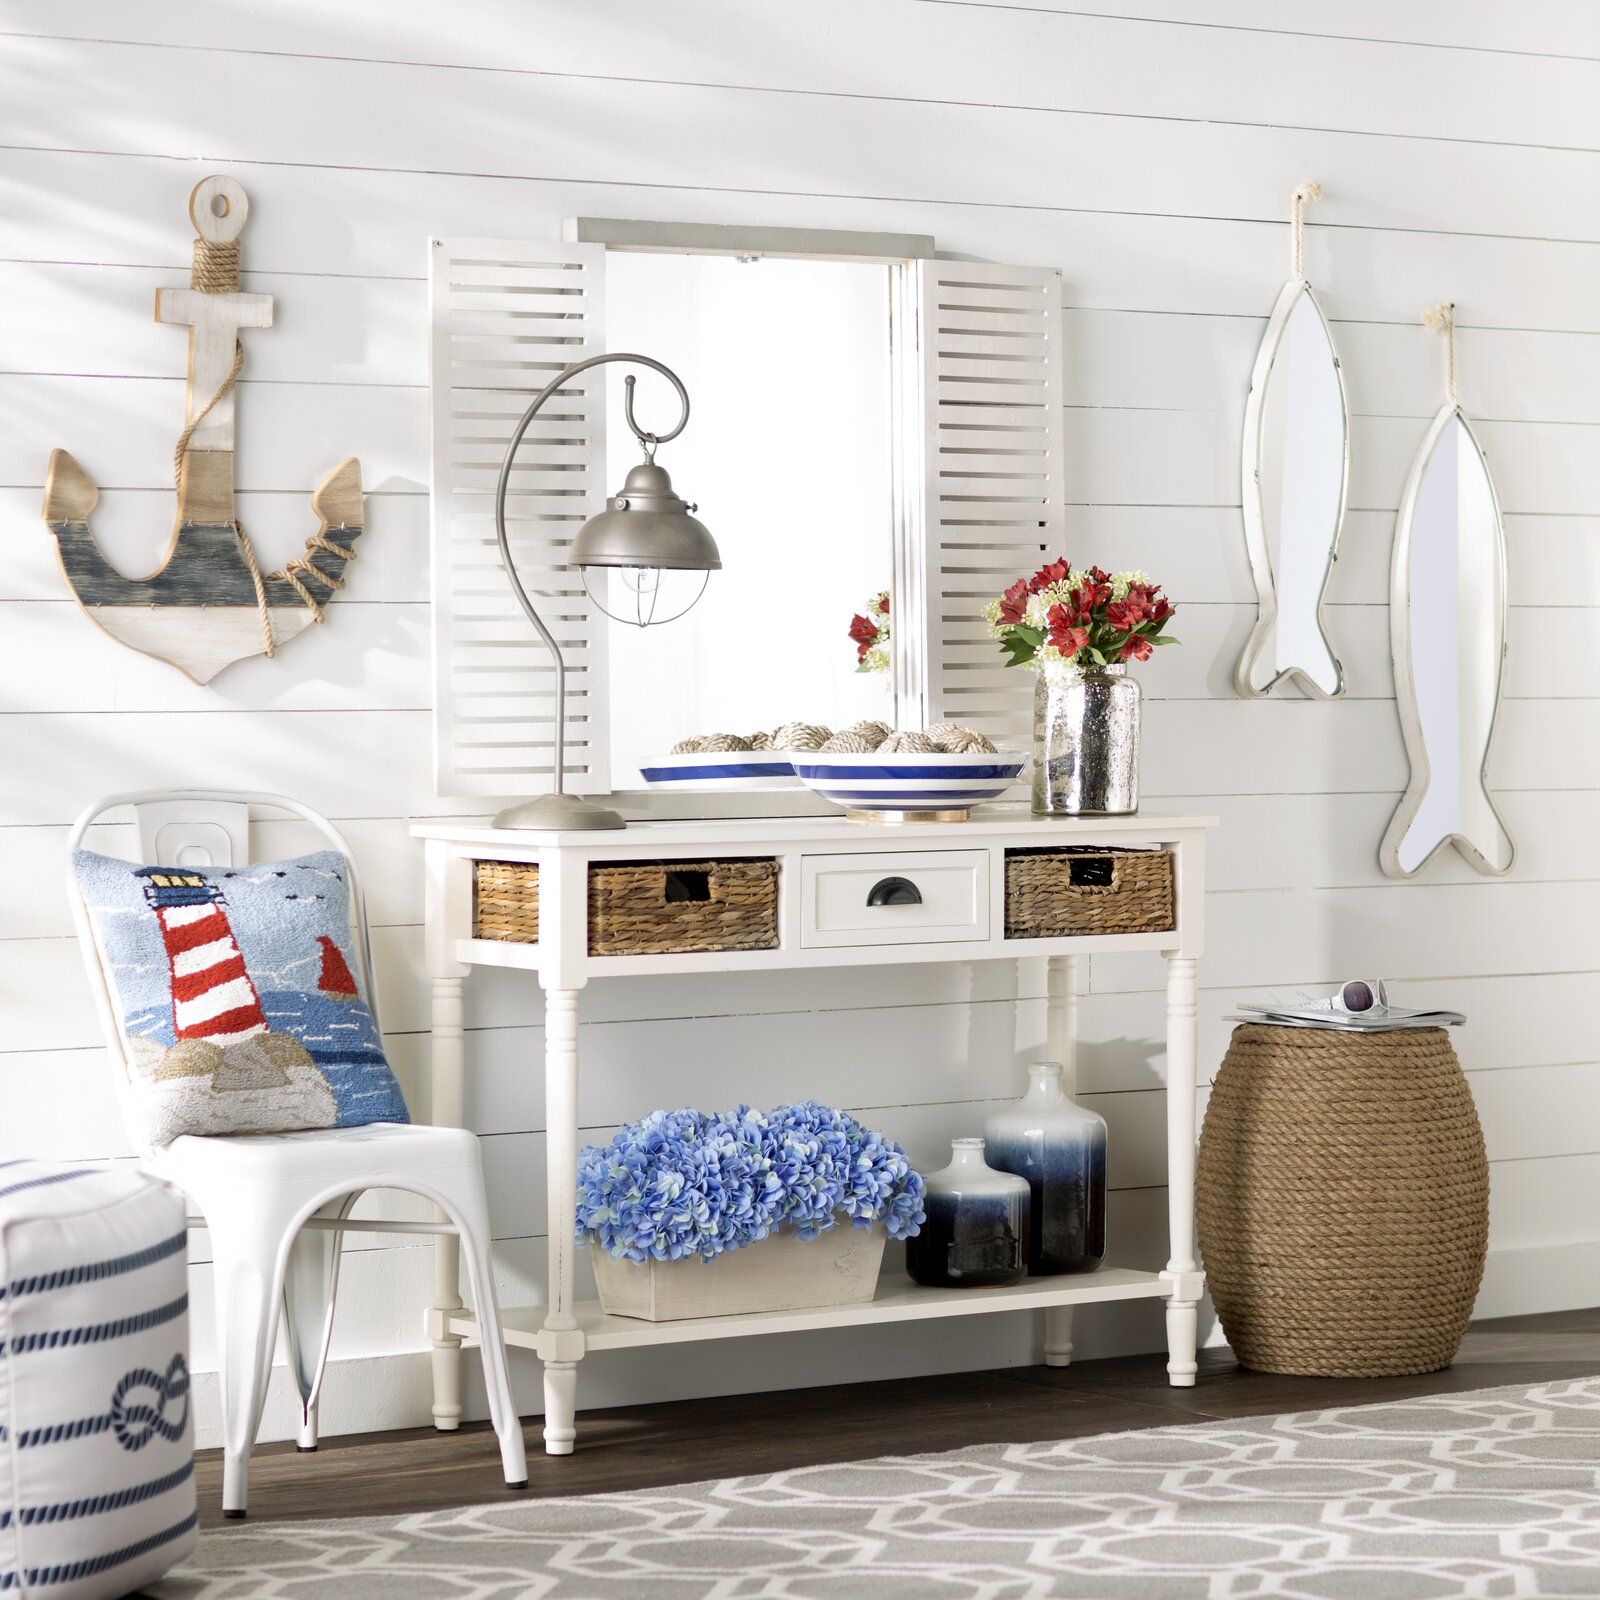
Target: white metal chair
{"points": [[276, 1205]]}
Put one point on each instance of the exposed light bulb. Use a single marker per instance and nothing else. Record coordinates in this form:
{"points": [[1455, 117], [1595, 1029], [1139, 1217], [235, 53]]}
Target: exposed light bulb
{"points": [[644, 584], [644, 597]]}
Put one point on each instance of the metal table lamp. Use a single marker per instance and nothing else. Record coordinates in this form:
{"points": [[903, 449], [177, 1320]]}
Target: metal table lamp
{"points": [[645, 529]]}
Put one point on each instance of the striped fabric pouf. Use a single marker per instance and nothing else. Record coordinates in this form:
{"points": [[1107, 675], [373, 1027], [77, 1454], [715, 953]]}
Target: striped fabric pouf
{"points": [[96, 1440]]}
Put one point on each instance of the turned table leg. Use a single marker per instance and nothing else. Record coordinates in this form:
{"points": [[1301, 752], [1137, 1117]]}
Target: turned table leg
{"points": [[1058, 1336], [561, 1160], [1061, 987], [448, 1046], [1182, 1269]]}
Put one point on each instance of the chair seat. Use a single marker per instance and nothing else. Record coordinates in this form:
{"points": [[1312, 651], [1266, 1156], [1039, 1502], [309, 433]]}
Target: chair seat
{"points": [[376, 1150]]}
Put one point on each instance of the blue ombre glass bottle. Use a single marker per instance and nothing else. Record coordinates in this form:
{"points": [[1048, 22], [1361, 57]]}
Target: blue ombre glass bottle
{"points": [[976, 1233], [1060, 1149]]}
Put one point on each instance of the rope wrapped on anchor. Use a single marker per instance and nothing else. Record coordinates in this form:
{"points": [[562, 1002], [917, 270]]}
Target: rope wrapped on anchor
{"points": [[215, 270]]}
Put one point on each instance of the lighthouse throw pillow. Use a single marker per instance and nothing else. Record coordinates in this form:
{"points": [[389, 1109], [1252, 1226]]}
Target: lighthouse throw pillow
{"points": [[239, 996]]}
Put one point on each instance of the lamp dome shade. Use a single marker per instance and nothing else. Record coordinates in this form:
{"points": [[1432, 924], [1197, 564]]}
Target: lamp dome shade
{"points": [[646, 525]]}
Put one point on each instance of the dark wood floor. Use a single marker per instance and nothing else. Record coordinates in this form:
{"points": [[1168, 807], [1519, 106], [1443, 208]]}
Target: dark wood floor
{"points": [[648, 1446]]}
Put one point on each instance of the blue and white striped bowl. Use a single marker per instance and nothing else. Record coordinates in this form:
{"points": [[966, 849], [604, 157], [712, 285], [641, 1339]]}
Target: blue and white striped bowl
{"points": [[707, 771], [902, 782]]}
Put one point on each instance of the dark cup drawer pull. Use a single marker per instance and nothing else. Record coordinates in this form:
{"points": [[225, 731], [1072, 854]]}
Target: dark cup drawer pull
{"points": [[894, 892]]}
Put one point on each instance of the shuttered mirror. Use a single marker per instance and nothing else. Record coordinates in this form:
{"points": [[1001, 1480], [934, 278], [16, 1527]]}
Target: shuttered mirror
{"points": [[867, 419], [507, 316]]}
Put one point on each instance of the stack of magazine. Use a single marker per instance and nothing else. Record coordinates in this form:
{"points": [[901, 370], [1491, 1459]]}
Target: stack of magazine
{"points": [[1307, 1012]]}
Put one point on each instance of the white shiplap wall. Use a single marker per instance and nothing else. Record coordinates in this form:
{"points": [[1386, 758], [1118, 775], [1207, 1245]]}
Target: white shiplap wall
{"points": [[1147, 150]]}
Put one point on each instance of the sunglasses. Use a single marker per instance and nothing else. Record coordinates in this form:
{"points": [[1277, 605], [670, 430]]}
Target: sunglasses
{"points": [[1361, 994]]}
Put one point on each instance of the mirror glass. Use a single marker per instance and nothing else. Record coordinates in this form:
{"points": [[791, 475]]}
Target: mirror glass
{"points": [[787, 455], [1449, 585], [1294, 496]]}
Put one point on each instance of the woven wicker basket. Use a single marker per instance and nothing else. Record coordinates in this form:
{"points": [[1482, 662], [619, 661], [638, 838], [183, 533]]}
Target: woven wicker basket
{"points": [[1079, 889], [657, 908], [641, 908], [1343, 1200], [505, 904]]}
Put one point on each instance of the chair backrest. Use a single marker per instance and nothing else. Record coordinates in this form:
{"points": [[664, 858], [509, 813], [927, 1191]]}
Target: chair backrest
{"points": [[198, 828]]}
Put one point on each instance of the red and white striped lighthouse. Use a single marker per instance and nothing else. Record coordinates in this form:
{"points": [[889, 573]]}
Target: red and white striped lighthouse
{"points": [[212, 995]]}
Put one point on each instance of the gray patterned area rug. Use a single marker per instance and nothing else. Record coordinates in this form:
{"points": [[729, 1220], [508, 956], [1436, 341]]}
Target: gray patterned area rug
{"points": [[1491, 1494]]}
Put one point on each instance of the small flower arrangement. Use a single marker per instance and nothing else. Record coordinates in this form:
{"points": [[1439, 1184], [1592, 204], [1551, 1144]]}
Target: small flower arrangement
{"points": [[1086, 619], [871, 634], [677, 1184]]}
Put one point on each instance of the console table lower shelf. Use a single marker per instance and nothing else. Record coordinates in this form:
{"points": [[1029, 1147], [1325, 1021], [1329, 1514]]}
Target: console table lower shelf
{"points": [[898, 1300]]}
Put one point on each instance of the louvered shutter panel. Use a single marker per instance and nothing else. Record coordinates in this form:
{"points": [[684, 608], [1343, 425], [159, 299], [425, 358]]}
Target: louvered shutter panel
{"points": [[506, 318], [990, 369]]}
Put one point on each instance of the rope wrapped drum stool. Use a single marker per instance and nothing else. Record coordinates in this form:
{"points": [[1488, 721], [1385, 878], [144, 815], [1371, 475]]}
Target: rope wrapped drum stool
{"points": [[1343, 1200]]}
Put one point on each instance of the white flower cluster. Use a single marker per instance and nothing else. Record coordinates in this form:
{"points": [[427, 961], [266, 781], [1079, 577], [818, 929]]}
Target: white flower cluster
{"points": [[1036, 610], [877, 657]]}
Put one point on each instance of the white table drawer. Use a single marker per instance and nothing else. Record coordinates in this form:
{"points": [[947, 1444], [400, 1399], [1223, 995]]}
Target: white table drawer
{"points": [[907, 897]]}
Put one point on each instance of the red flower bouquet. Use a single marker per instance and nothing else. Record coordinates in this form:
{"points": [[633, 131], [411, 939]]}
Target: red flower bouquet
{"points": [[871, 635], [1085, 619]]}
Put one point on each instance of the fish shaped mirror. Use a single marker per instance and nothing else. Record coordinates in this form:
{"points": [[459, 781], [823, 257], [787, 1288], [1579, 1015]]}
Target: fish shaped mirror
{"points": [[1447, 628], [1294, 480]]}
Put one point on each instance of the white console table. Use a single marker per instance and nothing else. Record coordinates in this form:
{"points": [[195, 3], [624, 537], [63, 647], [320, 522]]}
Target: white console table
{"points": [[960, 918]]}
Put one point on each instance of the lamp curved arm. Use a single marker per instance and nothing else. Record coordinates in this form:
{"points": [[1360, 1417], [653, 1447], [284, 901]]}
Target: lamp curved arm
{"points": [[649, 440]]}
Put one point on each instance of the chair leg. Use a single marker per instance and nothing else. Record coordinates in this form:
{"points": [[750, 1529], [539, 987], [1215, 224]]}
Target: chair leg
{"points": [[309, 1286], [470, 1213], [248, 1293]]}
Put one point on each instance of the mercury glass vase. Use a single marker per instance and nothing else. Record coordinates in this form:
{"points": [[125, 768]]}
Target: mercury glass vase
{"points": [[1085, 742], [1059, 1148], [976, 1232]]}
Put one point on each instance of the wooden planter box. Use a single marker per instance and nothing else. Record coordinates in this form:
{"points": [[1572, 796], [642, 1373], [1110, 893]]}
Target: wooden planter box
{"points": [[782, 1272]]}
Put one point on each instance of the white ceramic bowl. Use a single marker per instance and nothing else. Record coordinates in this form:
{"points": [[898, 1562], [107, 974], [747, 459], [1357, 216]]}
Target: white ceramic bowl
{"points": [[712, 771], [904, 783]]}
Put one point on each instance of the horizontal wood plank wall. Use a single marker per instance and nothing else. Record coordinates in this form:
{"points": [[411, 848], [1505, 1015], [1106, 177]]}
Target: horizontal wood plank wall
{"points": [[1146, 150]]}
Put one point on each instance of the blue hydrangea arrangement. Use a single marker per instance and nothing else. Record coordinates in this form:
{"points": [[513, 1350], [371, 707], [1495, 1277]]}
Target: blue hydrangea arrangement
{"points": [[687, 1183]]}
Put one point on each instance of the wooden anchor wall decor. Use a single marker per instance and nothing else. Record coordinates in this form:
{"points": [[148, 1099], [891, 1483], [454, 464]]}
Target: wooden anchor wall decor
{"points": [[208, 604]]}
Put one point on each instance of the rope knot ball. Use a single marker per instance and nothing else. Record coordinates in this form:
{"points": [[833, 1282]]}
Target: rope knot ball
{"points": [[942, 738]]}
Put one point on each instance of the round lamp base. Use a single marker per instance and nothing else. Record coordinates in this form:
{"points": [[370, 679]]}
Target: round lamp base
{"points": [[887, 818], [555, 812]]}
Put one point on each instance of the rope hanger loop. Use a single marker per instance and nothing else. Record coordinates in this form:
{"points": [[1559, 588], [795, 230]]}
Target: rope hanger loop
{"points": [[1442, 319], [1305, 192]]}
